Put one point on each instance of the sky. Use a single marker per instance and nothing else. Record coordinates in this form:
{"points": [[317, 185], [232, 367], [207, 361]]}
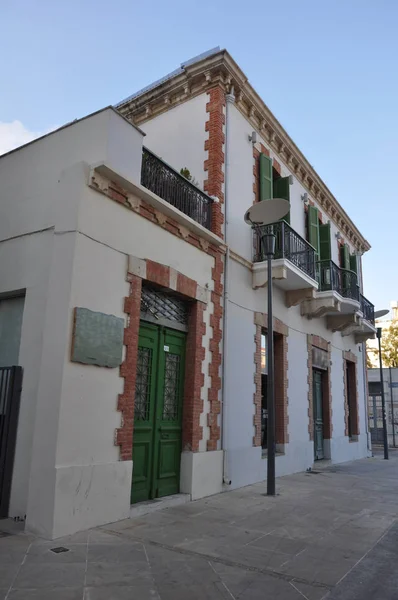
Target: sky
{"points": [[327, 69]]}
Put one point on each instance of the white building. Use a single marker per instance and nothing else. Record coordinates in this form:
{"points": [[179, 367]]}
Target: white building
{"points": [[390, 385], [136, 305]]}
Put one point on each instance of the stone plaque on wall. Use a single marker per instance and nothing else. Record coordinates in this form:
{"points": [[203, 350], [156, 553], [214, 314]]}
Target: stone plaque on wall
{"points": [[97, 338]]}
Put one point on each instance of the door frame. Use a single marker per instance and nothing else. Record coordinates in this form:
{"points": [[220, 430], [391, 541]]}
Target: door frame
{"points": [[159, 428]]}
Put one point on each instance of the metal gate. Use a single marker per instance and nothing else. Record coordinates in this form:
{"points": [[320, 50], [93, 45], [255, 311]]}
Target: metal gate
{"points": [[10, 395], [376, 419]]}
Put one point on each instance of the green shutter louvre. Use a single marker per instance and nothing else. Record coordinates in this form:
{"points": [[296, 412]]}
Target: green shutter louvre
{"points": [[265, 177], [313, 227], [345, 256], [325, 249], [282, 190], [353, 263]]}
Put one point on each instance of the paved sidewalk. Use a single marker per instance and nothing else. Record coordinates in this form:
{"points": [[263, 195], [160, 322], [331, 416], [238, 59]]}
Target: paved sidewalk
{"points": [[327, 534]]}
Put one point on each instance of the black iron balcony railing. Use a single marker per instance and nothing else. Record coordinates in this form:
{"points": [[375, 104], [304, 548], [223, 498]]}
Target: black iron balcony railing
{"points": [[342, 281], [175, 189], [289, 245], [368, 310]]}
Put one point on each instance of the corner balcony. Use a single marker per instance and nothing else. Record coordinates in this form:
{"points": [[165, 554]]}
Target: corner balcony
{"points": [[366, 329], [338, 298], [293, 267], [164, 181]]}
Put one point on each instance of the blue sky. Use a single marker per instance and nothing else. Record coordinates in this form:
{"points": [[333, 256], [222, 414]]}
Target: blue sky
{"points": [[326, 68]]}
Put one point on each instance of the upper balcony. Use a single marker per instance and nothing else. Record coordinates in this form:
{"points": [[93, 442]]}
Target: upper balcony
{"points": [[338, 295], [366, 329], [294, 265], [163, 180]]}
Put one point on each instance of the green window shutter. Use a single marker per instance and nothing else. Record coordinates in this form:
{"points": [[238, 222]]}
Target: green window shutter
{"points": [[325, 248], [313, 227], [265, 177], [353, 263], [282, 190], [345, 256]]}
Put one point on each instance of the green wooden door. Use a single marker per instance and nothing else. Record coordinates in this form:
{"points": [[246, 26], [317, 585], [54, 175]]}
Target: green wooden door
{"points": [[318, 414], [158, 413]]}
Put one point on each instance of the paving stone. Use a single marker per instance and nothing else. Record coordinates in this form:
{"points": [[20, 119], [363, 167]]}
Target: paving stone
{"points": [[49, 594], [50, 575]]}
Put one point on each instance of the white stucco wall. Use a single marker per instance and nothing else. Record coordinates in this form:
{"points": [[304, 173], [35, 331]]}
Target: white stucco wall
{"points": [[42, 185], [178, 136]]}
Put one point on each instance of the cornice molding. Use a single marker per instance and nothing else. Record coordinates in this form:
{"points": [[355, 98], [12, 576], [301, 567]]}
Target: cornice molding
{"points": [[220, 69]]}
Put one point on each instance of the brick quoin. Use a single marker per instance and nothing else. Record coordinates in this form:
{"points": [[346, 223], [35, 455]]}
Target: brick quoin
{"points": [[195, 354], [215, 350], [257, 387], [214, 165], [192, 432], [214, 146], [128, 370]]}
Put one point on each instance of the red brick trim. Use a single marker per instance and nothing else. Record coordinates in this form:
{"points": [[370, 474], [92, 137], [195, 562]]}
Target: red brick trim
{"points": [[348, 355], [195, 354], [128, 369], [281, 332], [214, 165], [281, 383], [215, 349], [192, 432], [257, 387], [276, 166], [214, 146], [157, 273], [319, 342]]}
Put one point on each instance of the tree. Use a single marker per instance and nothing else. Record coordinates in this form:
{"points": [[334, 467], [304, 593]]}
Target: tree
{"points": [[370, 354], [389, 346]]}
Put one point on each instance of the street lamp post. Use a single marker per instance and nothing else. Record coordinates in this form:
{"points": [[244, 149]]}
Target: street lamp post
{"points": [[258, 216], [378, 315], [383, 401]]}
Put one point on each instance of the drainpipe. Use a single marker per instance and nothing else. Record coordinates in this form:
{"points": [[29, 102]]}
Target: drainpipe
{"points": [[230, 99]]}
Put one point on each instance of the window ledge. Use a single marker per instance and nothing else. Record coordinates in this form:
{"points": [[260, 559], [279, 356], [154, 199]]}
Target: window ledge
{"points": [[353, 439]]}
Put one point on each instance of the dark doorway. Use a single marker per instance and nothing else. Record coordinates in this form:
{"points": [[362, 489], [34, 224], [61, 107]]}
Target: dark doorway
{"points": [[10, 395]]}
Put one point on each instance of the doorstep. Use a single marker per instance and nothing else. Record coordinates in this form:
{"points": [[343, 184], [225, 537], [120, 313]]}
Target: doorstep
{"points": [[149, 506], [320, 465]]}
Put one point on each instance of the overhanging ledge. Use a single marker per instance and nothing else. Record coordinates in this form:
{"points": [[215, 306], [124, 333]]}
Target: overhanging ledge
{"points": [[112, 174]]}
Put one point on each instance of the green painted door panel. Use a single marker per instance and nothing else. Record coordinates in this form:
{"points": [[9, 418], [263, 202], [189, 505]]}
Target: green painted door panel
{"points": [[313, 228], [265, 177], [318, 414], [169, 414], [158, 413], [144, 412], [325, 247]]}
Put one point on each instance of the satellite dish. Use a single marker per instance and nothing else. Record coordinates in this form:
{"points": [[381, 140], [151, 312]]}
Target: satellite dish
{"points": [[381, 313], [267, 211]]}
